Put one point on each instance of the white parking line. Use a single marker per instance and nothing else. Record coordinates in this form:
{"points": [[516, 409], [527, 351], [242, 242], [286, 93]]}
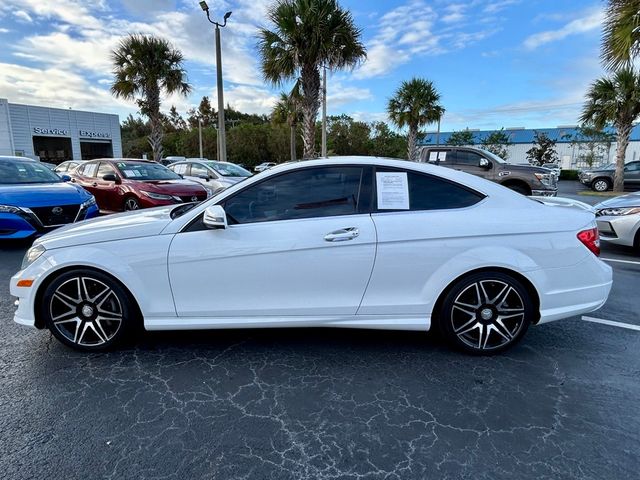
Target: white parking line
{"points": [[612, 323], [634, 262]]}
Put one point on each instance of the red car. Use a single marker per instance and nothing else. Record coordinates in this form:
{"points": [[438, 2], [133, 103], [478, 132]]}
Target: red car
{"points": [[126, 184]]}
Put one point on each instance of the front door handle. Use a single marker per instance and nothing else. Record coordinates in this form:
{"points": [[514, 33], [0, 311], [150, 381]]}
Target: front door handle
{"points": [[342, 235], [94, 184]]}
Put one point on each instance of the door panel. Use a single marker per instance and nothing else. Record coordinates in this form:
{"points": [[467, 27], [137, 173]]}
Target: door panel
{"points": [[274, 268]]}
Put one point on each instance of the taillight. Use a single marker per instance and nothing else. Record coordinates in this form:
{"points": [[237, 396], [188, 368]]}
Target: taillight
{"points": [[591, 239]]}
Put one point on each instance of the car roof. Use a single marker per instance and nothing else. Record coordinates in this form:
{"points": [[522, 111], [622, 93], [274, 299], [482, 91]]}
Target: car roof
{"points": [[16, 158]]}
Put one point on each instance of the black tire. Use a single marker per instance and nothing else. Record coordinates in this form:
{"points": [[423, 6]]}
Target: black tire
{"points": [[521, 189], [131, 204], [486, 313], [601, 184], [88, 310]]}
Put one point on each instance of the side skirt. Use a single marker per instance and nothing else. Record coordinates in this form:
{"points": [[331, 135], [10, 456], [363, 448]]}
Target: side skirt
{"points": [[377, 322]]}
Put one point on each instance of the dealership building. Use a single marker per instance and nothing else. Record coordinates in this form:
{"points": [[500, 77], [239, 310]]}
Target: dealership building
{"points": [[55, 134]]}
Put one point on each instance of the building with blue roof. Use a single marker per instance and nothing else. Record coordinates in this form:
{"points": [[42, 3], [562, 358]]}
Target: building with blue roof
{"points": [[570, 146]]}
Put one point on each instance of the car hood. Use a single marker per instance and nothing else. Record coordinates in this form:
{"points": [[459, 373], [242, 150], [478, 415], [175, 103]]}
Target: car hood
{"points": [[629, 200], [525, 168], [140, 223], [42, 195]]}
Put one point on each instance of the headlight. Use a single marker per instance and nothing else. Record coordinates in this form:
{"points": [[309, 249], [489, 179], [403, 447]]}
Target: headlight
{"points": [[88, 203], [9, 209], [618, 211], [545, 178], [32, 255], [157, 196]]}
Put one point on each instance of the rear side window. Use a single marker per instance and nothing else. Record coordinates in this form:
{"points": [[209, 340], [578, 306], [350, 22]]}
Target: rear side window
{"points": [[180, 169], [427, 192]]}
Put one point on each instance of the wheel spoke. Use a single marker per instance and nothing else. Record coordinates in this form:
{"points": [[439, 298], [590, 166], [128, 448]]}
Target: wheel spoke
{"points": [[485, 295], [502, 330], [501, 297], [467, 308], [484, 334], [98, 331], [468, 328], [64, 317], [66, 299]]}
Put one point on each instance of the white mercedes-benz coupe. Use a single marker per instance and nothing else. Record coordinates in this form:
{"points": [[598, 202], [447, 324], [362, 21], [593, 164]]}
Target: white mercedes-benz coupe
{"points": [[344, 242]]}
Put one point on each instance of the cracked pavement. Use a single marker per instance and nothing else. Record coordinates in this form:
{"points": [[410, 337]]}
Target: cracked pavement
{"points": [[323, 404]]}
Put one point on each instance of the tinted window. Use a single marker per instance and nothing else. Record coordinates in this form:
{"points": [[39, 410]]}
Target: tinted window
{"points": [[105, 169], [431, 193], [468, 158], [313, 192], [632, 167]]}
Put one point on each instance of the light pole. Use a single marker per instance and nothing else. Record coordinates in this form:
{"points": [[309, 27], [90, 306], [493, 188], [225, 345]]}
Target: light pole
{"points": [[222, 144], [200, 135], [324, 112], [438, 134]]}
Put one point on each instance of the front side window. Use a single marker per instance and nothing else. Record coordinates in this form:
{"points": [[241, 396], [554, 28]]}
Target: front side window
{"points": [[468, 158], [88, 169], [180, 169], [307, 193], [427, 192], [199, 171], [105, 169]]}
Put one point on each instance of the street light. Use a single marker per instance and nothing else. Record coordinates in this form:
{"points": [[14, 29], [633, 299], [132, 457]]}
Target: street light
{"points": [[200, 135], [222, 144]]}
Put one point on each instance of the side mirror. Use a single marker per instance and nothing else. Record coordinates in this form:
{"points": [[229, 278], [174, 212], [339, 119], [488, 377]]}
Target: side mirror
{"points": [[65, 178], [484, 163], [215, 217], [110, 177]]}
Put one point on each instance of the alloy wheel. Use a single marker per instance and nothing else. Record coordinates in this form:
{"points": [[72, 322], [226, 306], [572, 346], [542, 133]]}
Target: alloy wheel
{"points": [[600, 185], [131, 204], [86, 311], [487, 315]]}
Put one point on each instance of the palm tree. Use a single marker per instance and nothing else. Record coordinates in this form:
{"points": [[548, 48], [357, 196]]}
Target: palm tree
{"points": [[145, 67], [621, 36], [287, 110], [414, 105], [615, 100], [308, 34]]}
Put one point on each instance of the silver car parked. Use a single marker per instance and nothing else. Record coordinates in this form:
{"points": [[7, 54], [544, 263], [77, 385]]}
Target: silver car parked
{"points": [[618, 220], [214, 176]]}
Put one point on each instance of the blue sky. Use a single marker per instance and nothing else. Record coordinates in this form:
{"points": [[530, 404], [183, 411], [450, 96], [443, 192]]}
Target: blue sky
{"points": [[495, 62]]}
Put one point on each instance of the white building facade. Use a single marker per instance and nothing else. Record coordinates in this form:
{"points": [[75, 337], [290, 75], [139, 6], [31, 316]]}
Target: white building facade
{"points": [[572, 152], [55, 135]]}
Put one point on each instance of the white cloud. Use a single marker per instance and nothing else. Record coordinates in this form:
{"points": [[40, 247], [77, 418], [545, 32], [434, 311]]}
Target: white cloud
{"points": [[496, 6], [22, 15], [589, 22], [4, 30], [417, 28], [340, 94]]}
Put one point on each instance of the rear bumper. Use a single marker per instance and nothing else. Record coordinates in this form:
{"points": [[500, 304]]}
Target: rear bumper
{"points": [[590, 282]]}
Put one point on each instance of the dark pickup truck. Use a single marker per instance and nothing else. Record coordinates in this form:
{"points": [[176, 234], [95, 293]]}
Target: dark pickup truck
{"points": [[525, 179]]}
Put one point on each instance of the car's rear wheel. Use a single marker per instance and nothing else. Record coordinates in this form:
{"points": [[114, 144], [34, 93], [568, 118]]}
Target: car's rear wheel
{"points": [[131, 203], [88, 310], [601, 185], [486, 313]]}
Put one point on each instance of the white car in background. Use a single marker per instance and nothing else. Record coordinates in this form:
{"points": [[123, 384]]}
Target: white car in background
{"points": [[354, 242], [618, 220], [212, 174], [264, 166]]}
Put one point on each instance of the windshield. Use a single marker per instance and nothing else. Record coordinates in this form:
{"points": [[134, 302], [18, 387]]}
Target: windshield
{"points": [[146, 171], [228, 169], [13, 172]]}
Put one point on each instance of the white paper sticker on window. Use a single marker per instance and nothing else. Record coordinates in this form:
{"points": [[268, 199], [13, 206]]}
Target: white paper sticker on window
{"points": [[442, 156], [433, 156], [393, 190]]}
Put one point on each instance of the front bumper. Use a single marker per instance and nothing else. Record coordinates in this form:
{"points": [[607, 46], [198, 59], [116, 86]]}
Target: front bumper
{"points": [[26, 223], [25, 312], [621, 230]]}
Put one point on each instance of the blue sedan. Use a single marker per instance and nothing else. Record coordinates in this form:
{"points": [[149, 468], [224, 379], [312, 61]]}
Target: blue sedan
{"points": [[34, 200]]}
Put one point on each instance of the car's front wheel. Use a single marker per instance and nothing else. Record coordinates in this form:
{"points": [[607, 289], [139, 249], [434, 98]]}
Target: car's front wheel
{"points": [[131, 203], [601, 185], [88, 310], [486, 313]]}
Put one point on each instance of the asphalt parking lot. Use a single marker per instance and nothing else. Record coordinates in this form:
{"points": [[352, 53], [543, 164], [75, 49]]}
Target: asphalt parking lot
{"points": [[291, 404]]}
